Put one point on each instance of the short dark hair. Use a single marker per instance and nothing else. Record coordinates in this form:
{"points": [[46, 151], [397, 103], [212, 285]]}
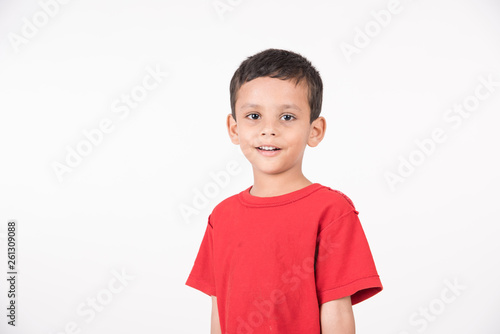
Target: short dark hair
{"points": [[282, 64]]}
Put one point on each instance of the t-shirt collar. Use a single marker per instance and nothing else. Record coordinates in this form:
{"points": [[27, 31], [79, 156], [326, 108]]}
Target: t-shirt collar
{"points": [[251, 200]]}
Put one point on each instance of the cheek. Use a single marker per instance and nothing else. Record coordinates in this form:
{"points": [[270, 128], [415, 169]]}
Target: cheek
{"points": [[298, 139], [246, 143], [245, 138], [247, 135]]}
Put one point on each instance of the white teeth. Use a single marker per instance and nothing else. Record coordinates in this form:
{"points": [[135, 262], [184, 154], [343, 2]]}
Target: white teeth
{"points": [[267, 148]]}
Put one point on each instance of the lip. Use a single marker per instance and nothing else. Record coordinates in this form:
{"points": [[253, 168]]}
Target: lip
{"points": [[267, 145], [268, 153]]}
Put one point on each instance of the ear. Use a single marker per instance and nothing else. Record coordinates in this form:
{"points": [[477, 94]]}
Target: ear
{"points": [[232, 129], [317, 131]]}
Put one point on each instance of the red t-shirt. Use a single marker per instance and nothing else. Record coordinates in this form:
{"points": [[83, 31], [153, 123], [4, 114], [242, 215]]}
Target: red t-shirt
{"points": [[272, 261]]}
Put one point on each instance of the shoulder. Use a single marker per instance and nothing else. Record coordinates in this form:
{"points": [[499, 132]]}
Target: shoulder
{"points": [[335, 207], [225, 209], [335, 198]]}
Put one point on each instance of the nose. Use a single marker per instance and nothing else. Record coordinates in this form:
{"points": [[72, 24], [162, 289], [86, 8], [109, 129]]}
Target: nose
{"points": [[264, 132], [269, 129]]}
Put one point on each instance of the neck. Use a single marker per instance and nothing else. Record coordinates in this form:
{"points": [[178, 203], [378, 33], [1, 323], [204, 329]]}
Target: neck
{"points": [[266, 185]]}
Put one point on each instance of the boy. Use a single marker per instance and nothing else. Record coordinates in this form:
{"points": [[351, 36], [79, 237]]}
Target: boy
{"points": [[285, 255]]}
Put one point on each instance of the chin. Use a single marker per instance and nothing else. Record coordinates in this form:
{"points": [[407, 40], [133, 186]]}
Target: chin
{"points": [[268, 170]]}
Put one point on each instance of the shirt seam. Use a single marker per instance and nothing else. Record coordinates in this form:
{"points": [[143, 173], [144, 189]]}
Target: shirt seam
{"points": [[201, 282], [344, 196], [243, 202], [344, 285], [335, 220]]}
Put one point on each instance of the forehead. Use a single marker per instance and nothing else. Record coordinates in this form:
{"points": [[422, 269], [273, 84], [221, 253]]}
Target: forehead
{"points": [[266, 91]]}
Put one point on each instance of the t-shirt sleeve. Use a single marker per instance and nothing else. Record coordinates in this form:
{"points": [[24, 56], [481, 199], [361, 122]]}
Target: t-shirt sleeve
{"points": [[344, 263], [202, 274]]}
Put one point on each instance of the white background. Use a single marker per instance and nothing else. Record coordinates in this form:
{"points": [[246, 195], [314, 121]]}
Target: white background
{"points": [[119, 209]]}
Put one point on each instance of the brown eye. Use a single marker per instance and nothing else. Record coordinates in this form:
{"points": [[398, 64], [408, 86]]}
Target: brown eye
{"points": [[290, 117], [252, 115]]}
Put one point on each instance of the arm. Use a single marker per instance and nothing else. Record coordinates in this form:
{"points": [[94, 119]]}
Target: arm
{"points": [[337, 317], [215, 324]]}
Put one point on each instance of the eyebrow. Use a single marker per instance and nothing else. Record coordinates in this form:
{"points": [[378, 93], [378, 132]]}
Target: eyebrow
{"points": [[249, 105], [283, 106]]}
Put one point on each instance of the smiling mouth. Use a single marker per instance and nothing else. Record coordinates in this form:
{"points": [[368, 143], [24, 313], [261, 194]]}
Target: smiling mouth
{"points": [[268, 148]]}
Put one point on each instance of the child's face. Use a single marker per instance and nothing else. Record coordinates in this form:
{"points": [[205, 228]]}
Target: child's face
{"points": [[274, 112]]}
